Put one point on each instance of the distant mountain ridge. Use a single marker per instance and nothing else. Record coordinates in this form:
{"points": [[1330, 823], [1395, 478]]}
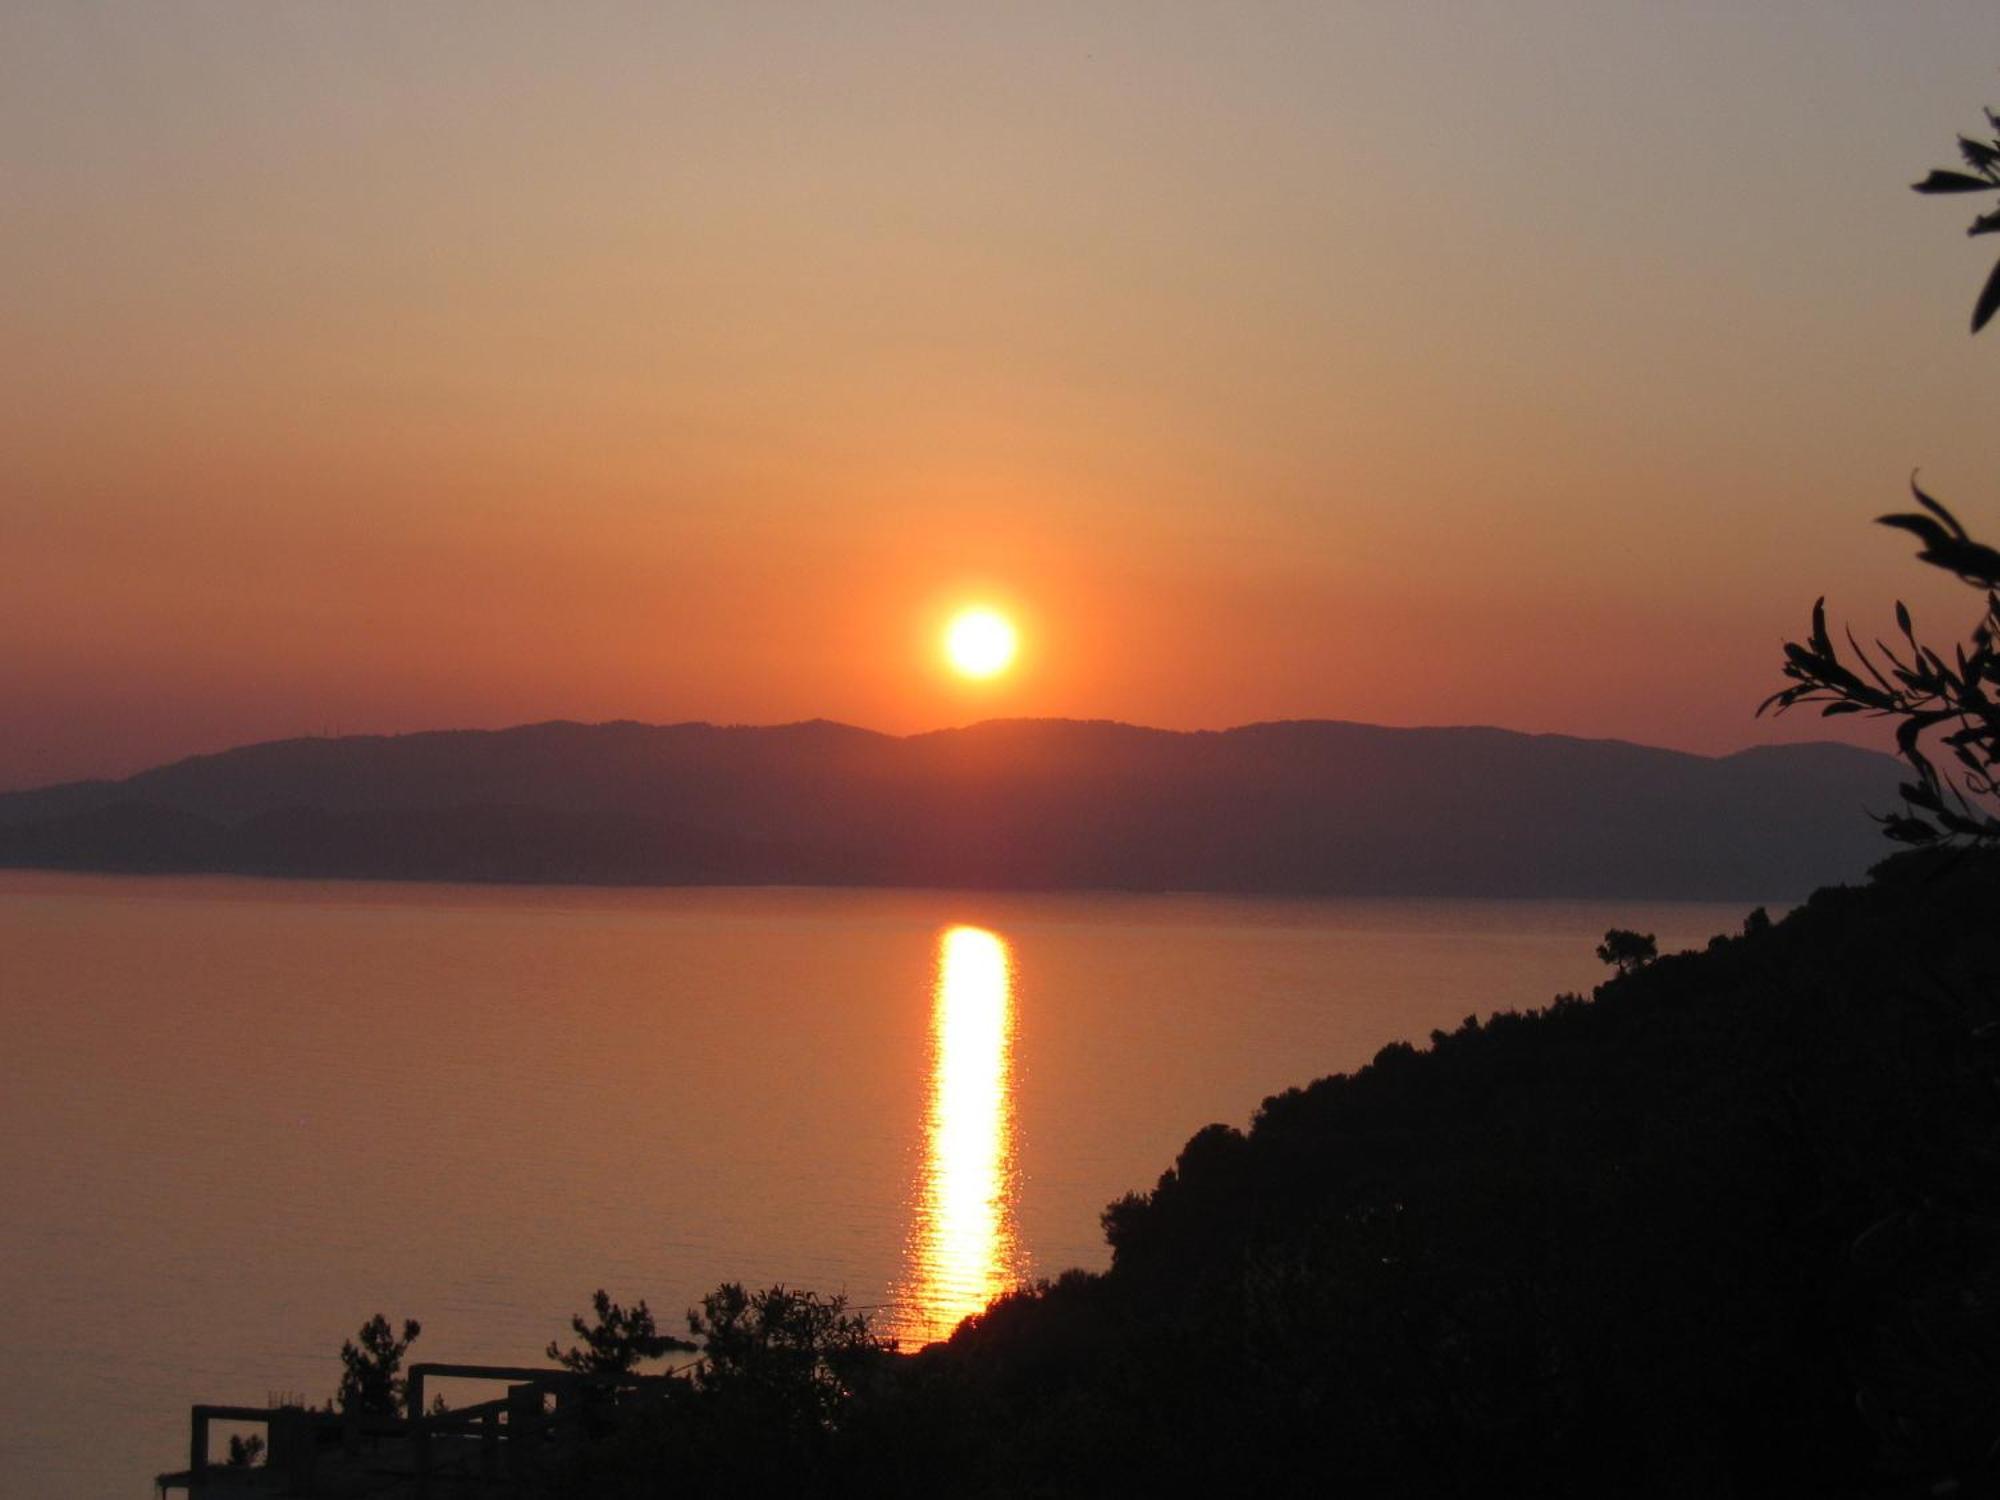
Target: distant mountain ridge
{"points": [[1290, 806]]}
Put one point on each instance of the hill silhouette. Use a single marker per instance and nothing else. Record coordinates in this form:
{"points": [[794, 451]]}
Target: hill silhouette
{"points": [[1300, 806], [1728, 1227]]}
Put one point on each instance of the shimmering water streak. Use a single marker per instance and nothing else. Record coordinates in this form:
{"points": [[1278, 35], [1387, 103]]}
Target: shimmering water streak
{"points": [[963, 1248]]}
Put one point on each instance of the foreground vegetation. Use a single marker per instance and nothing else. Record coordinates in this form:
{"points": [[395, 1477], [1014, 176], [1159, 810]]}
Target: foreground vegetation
{"points": [[1732, 1226]]}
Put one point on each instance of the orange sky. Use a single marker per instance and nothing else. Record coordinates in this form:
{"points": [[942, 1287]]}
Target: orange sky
{"points": [[375, 367]]}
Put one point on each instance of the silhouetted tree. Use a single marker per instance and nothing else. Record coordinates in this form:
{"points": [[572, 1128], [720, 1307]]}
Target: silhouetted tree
{"points": [[1625, 950], [371, 1380], [620, 1338], [794, 1351], [245, 1452]]}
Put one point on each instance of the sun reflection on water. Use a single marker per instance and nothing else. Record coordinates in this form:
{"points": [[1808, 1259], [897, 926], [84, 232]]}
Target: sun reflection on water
{"points": [[963, 1249]]}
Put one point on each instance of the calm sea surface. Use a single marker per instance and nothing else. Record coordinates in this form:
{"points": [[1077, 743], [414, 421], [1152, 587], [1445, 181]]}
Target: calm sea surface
{"points": [[238, 1117]]}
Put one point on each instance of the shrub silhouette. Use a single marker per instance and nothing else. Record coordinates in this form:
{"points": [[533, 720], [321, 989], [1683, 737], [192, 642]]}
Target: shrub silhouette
{"points": [[1626, 950], [245, 1452], [619, 1340], [770, 1408], [371, 1379], [793, 1352]]}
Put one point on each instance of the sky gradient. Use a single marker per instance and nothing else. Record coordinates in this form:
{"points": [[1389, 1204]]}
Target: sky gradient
{"points": [[374, 367]]}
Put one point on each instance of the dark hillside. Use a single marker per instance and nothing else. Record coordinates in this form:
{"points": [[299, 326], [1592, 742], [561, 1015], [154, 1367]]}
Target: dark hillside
{"points": [[1730, 1228]]}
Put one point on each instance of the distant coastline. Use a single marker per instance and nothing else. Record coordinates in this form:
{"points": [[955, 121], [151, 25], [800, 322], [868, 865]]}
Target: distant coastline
{"points": [[1297, 807]]}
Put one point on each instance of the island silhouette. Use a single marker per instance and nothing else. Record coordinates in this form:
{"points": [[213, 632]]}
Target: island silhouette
{"points": [[1309, 807]]}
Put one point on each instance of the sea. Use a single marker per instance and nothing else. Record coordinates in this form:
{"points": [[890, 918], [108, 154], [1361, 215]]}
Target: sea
{"points": [[239, 1117]]}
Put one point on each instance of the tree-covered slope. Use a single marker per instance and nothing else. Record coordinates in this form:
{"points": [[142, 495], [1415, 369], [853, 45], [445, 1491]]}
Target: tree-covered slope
{"points": [[1727, 1228]]}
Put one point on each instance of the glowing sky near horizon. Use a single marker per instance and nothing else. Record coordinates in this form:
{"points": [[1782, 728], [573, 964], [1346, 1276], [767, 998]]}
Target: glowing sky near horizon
{"points": [[376, 367]]}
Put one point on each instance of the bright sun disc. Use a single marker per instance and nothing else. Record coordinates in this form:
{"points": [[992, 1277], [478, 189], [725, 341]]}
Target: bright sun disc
{"points": [[979, 643]]}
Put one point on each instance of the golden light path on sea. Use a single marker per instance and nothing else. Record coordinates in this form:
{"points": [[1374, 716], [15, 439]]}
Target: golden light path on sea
{"points": [[963, 1249]]}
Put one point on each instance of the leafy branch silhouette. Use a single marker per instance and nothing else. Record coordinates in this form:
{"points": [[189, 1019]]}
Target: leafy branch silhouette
{"points": [[1952, 701], [1983, 157], [1950, 704], [617, 1342]]}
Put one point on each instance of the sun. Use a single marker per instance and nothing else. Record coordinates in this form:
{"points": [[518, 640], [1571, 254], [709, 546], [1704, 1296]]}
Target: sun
{"points": [[980, 643]]}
